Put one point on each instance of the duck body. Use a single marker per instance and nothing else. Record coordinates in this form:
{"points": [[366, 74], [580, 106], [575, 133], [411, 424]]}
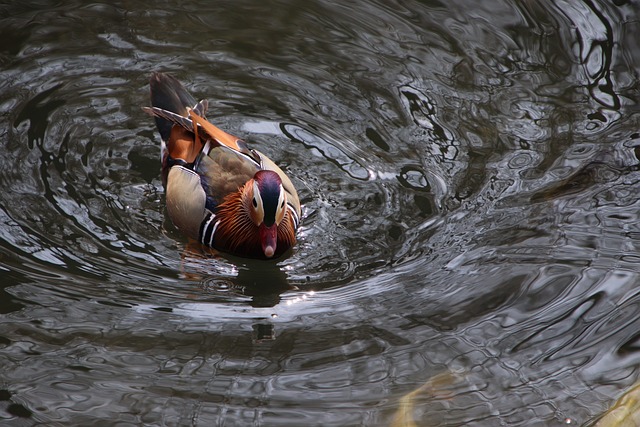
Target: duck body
{"points": [[218, 191]]}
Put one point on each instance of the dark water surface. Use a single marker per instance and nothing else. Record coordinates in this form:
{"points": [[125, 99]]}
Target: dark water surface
{"points": [[471, 199]]}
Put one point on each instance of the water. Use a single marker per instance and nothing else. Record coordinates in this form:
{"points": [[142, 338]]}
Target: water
{"points": [[469, 178]]}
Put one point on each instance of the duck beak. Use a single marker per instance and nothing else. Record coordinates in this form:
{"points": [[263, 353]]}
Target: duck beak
{"points": [[269, 239]]}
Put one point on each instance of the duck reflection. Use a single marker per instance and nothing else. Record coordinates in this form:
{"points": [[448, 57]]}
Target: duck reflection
{"points": [[264, 332], [262, 281]]}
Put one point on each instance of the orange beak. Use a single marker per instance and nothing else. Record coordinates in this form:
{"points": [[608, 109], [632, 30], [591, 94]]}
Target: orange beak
{"points": [[269, 239]]}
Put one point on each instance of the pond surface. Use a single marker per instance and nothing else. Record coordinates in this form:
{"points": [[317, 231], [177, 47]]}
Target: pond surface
{"points": [[469, 175]]}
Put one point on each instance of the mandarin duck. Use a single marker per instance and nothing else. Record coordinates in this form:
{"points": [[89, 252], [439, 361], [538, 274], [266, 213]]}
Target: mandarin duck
{"points": [[219, 191]]}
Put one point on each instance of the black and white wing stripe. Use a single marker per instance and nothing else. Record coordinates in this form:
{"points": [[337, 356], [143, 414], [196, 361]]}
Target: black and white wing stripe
{"points": [[208, 229]]}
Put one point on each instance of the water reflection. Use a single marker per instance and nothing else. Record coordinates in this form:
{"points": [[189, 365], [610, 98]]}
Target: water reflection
{"points": [[469, 177], [263, 282]]}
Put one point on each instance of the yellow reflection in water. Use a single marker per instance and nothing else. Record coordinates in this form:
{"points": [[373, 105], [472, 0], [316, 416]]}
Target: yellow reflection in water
{"points": [[434, 387], [626, 411]]}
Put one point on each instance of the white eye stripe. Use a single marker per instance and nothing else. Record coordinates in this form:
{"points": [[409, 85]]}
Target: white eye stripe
{"points": [[280, 207], [281, 198], [257, 209], [257, 198]]}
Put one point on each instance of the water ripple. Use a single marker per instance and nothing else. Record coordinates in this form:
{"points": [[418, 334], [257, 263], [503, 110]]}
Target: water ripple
{"points": [[468, 182]]}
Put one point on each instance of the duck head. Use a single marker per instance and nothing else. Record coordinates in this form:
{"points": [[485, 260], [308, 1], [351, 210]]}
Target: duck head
{"points": [[266, 201]]}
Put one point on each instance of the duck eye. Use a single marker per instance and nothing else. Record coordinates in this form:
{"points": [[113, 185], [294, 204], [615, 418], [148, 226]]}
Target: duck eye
{"points": [[255, 203]]}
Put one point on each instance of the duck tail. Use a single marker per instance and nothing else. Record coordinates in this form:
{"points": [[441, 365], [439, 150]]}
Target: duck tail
{"points": [[171, 104]]}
